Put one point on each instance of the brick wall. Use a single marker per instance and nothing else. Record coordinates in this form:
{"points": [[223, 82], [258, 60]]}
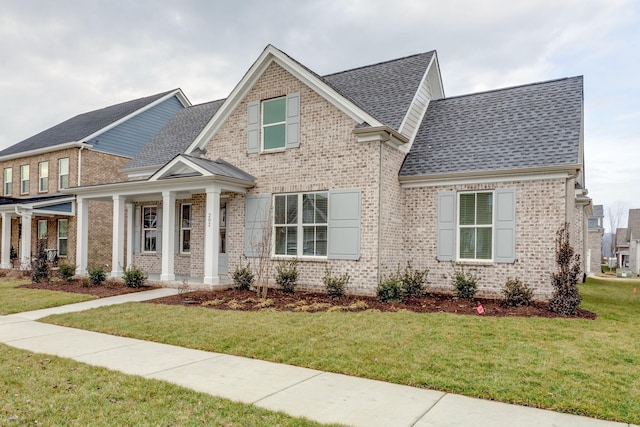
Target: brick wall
{"points": [[595, 245]]}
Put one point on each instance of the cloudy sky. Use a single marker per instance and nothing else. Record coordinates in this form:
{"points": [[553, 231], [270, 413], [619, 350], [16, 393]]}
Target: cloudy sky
{"points": [[67, 57]]}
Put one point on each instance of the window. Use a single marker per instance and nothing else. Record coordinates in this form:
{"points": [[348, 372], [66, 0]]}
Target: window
{"points": [[300, 224], [63, 173], [185, 229], [274, 117], [43, 174], [63, 235], [149, 228], [24, 179], [475, 226], [8, 181], [42, 229], [223, 228]]}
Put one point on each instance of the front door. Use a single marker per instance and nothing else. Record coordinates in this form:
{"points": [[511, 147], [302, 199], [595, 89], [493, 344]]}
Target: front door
{"points": [[223, 265]]}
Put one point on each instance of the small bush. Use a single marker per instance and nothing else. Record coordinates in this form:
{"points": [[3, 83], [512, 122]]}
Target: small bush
{"points": [[67, 271], [40, 271], [335, 286], [134, 277], [96, 275], [287, 275], [414, 281], [465, 284], [390, 289], [243, 277], [516, 293]]}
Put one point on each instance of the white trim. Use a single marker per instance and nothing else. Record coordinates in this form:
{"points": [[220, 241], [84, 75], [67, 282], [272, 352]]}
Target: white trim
{"points": [[40, 177], [484, 177], [59, 147], [492, 227], [143, 248], [182, 229], [68, 172], [5, 182], [299, 226], [58, 236], [22, 180], [46, 231], [262, 125]]}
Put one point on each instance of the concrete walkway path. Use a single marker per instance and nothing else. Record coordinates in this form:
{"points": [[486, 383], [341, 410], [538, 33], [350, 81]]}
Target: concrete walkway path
{"points": [[317, 395]]}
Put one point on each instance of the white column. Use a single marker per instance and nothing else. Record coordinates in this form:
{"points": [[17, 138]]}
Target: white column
{"points": [[212, 236], [6, 240], [117, 239], [130, 210], [25, 242], [168, 235], [82, 235]]}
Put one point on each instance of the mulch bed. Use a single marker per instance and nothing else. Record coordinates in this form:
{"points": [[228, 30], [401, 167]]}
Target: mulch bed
{"points": [[236, 299]]}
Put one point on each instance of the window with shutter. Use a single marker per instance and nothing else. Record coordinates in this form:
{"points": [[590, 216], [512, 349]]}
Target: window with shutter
{"points": [[273, 124]]}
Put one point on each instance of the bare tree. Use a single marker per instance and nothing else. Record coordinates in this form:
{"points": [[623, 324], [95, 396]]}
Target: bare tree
{"points": [[615, 215], [262, 251]]}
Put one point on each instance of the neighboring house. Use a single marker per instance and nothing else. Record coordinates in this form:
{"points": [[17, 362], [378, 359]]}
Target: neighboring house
{"points": [[622, 247], [593, 262], [358, 172], [628, 243], [87, 149]]}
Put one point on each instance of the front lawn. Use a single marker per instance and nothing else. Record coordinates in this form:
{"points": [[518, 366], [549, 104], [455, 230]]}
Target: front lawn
{"points": [[16, 300], [586, 367], [45, 390]]}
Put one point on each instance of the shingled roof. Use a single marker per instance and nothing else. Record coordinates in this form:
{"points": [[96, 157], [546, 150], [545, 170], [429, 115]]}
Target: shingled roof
{"points": [[595, 220], [79, 127], [176, 136], [528, 126]]}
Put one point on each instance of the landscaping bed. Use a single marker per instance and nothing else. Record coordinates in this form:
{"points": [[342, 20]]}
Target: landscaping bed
{"points": [[109, 288]]}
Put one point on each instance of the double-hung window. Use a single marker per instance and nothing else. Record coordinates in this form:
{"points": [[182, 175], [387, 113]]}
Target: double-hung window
{"points": [[63, 173], [42, 229], [8, 181], [274, 118], [300, 224], [185, 229], [43, 177], [63, 236], [475, 226], [149, 228], [24, 179]]}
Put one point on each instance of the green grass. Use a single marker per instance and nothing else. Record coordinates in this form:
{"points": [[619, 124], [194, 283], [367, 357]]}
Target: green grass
{"points": [[16, 300], [576, 366], [46, 390]]}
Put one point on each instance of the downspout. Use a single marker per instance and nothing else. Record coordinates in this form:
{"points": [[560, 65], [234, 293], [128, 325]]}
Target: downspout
{"points": [[380, 214], [80, 165]]}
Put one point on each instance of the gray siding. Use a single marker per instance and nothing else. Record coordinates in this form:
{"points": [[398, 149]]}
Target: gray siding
{"points": [[129, 137], [418, 107]]}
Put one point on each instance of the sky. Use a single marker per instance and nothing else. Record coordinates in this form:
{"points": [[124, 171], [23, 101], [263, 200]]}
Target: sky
{"points": [[67, 57]]}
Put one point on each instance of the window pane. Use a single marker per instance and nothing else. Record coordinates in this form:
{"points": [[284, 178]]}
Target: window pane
{"points": [[467, 243], [292, 209], [64, 166], [186, 216], [309, 237], [308, 207], [62, 247], [483, 243], [280, 209], [321, 241], [281, 240], [292, 241], [274, 136], [467, 209], [63, 227], [64, 181], [322, 206], [150, 240], [186, 240], [42, 229], [149, 217], [485, 208], [274, 111]]}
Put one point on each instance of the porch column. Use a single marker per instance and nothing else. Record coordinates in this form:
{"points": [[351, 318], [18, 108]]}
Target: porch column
{"points": [[212, 235], [25, 242], [82, 235], [168, 235], [129, 261], [117, 240], [5, 261]]}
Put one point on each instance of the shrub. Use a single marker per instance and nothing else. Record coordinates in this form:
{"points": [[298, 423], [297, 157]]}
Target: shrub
{"points": [[565, 299], [414, 281], [390, 289], [465, 283], [96, 274], [335, 286], [287, 275], [243, 277], [40, 271], [134, 277], [67, 271], [516, 293]]}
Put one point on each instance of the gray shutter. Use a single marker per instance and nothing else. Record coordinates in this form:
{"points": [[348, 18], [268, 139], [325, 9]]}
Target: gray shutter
{"points": [[159, 229], [253, 127], [257, 212], [505, 226], [293, 121], [446, 226], [176, 241], [137, 221], [344, 224]]}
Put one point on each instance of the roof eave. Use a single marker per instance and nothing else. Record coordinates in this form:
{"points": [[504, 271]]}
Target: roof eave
{"points": [[39, 151], [380, 134]]}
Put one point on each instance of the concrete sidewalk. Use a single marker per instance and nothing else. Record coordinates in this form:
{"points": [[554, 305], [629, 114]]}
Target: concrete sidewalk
{"points": [[317, 395]]}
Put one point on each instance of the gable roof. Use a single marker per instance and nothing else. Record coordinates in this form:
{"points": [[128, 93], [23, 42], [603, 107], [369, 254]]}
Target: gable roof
{"points": [[84, 126], [594, 220], [176, 136], [531, 126], [184, 165], [621, 237]]}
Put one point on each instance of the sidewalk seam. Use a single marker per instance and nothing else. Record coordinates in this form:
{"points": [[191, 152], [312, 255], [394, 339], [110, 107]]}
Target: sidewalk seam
{"points": [[214, 356], [428, 409], [288, 387]]}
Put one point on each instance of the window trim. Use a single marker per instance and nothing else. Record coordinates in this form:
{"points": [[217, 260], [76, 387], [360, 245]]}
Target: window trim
{"points": [[10, 181], [183, 228], [22, 180], [46, 231], [263, 126], [59, 238], [144, 230], [41, 188], [300, 225], [60, 174], [491, 226]]}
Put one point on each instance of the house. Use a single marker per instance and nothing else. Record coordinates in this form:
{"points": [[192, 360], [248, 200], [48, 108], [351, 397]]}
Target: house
{"points": [[628, 243], [593, 263], [359, 172], [87, 149]]}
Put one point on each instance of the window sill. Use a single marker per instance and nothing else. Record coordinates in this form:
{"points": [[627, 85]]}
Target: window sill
{"points": [[301, 258], [274, 151], [475, 262]]}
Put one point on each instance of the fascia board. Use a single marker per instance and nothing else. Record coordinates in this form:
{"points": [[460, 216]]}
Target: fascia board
{"points": [[39, 151], [179, 160]]}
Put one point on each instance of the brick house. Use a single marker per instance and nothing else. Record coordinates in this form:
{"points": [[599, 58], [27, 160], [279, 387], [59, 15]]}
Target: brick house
{"points": [[595, 229], [358, 171], [88, 149]]}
